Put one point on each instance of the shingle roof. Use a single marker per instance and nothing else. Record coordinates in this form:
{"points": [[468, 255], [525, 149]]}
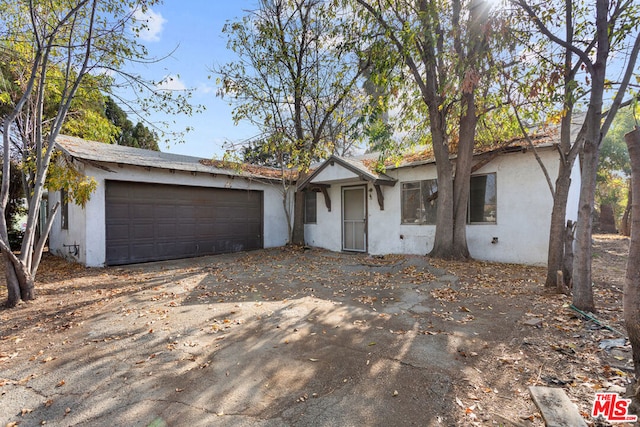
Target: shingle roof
{"points": [[424, 155], [117, 154]]}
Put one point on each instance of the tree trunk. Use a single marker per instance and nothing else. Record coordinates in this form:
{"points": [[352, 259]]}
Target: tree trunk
{"points": [[298, 213], [443, 240], [582, 285], [607, 223], [567, 263], [27, 287], [555, 256], [286, 206], [462, 180], [631, 299], [625, 224], [13, 287]]}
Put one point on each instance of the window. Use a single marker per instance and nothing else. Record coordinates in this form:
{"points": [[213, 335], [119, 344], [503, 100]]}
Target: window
{"points": [[64, 210], [482, 199], [310, 207], [419, 202]]}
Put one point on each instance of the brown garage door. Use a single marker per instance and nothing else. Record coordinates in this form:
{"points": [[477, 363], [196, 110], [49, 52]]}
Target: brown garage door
{"points": [[152, 222]]}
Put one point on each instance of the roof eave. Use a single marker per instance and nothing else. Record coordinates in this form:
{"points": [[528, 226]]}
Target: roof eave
{"points": [[363, 174]]}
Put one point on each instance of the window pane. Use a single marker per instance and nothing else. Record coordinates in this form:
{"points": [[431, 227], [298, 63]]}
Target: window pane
{"points": [[64, 210], [482, 199], [310, 207], [411, 203], [418, 202], [429, 201]]}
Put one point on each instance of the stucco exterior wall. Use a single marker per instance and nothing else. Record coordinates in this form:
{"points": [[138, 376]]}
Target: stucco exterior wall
{"points": [[87, 226], [524, 205], [74, 235]]}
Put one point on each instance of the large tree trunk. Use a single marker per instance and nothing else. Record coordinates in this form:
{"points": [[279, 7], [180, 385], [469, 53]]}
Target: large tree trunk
{"points": [[582, 285], [443, 240], [27, 286], [298, 214], [555, 256], [462, 179], [625, 224], [13, 287], [20, 283], [567, 263], [631, 299]]}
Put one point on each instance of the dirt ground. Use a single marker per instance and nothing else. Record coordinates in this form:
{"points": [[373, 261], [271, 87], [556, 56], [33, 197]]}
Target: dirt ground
{"points": [[285, 337]]}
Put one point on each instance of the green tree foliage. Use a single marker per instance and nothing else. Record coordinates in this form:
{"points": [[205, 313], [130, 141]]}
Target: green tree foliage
{"points": [[264, 153], [587, 51], [56, 57], [16, 208], [438, 61], [614, 155], [614, 167], [128, 134], [297, 64]]}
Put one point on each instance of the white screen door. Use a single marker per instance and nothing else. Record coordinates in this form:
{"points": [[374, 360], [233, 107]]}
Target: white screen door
{"points": [[354, 216]]}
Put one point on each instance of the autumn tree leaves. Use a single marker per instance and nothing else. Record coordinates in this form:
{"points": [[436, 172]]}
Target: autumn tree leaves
{"points": [[445, 68], [56, 60]]}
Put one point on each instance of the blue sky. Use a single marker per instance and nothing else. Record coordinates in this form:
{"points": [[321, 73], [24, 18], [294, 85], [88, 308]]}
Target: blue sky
{"points": [[194, 27]]}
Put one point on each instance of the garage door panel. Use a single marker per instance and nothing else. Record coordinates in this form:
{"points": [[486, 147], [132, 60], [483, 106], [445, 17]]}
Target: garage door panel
{"points": [[148, 222], [165, 249], [165, 211], [187, 249], [167, 231], [118, 252], [142, 251], [142, 231], [120, 210], [119, 232], [143, 211], [187, 231], [182, 211]]}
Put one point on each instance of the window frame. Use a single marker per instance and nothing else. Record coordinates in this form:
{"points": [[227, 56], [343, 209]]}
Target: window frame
{"points": [[423, 184], [495, 184]]}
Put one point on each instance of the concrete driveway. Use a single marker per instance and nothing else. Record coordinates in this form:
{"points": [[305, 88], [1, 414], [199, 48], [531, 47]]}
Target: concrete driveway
{"points": [[269, 338]]}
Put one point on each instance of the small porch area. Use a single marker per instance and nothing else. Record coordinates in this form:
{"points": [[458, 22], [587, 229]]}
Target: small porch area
{"points": [[343, 193]]}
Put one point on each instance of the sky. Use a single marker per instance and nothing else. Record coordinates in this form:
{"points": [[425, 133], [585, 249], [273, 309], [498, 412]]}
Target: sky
{"points": [[194, 29]]}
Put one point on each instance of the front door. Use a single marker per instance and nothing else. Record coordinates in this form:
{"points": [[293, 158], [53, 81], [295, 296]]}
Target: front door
{"points": [[354, 219]]}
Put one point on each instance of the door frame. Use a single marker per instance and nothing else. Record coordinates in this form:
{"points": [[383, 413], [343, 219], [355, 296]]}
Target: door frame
{"points": [[366, 217]]}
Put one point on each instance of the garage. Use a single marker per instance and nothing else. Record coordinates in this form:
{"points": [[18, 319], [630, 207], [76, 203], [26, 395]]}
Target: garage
{"points": [[153, 222]]}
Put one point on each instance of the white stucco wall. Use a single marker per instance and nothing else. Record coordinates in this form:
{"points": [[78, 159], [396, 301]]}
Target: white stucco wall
{"points": [[74, 235], [87, 226], [523, 213], [335, 172]]}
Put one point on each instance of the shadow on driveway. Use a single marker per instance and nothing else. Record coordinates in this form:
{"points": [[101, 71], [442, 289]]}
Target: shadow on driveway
{"points": [[268, 338]]}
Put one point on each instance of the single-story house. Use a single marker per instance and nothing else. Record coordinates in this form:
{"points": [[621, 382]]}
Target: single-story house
{"points": [[350, 207], [152, 206]]}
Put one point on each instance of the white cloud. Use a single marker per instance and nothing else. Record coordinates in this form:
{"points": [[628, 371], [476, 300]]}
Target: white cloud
{"points": [[171, 83], [150, 24], [205, 88]]}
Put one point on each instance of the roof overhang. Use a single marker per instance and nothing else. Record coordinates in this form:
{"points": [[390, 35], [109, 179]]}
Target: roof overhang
{"points": [[337, 169], [110, 157]]}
